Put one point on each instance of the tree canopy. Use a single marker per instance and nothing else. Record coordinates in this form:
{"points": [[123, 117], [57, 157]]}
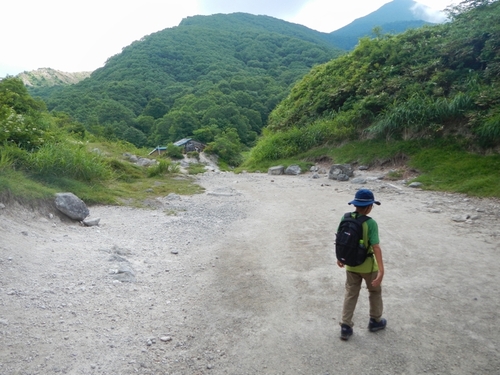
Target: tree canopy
{"points": [[206, 76], [430, 82]]}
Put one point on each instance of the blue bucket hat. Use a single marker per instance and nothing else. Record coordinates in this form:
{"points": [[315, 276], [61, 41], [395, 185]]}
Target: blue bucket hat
{"points": [[363, 198]]}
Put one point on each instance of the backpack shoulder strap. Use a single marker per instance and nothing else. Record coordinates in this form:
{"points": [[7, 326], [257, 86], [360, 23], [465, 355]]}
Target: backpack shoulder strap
{"points": [[364, 225]]}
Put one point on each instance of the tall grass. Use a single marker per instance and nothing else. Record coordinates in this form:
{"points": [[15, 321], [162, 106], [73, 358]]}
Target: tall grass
{"points": [[489, 131], [162, 167], [68, 160], [6, 160], [419, 116], [293, 141]]}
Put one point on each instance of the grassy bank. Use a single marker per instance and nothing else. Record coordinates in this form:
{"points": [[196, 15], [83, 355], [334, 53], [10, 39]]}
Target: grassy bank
{"points": [[442, 165], [97, 172]]}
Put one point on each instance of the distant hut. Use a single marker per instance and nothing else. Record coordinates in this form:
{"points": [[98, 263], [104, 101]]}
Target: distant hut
{"points": [[190, 145]]}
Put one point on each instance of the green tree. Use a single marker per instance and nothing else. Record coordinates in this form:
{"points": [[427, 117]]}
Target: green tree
{"points": [[155, 108], [227, 146]]}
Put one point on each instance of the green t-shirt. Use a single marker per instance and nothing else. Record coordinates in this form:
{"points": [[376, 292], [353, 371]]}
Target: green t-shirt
{"points": [[370, 264]]}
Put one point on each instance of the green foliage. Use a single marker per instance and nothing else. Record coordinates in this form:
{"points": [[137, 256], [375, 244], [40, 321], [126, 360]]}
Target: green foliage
{"points": [[22, 120], [125, 171], [425, 83], [195, 80], [30, 172], [6, 160], [227, 146], [162, 167], [420, 116], [290, 142], [489, 131], [68, 160], [194, 155], [174, 151], [196, 168], [449, 169]]}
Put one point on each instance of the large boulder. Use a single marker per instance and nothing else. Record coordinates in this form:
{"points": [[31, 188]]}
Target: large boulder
{"points": [[293, 170], [340, 172], [72, 206], [276, 170]]}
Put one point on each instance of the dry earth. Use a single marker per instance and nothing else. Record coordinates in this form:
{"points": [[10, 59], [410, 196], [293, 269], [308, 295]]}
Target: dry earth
{"points": [[242, 280]]}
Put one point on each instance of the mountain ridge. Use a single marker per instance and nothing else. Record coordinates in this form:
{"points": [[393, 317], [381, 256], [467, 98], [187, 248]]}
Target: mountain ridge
{"points": [[394, 17], [48, 77]]}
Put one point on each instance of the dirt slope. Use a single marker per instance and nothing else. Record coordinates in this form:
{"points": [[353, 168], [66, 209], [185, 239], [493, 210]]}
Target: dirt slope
{"points": [[242, 280]]}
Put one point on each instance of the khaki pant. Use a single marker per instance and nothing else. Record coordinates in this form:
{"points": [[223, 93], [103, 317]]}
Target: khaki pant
{"points": [[352, 288]]}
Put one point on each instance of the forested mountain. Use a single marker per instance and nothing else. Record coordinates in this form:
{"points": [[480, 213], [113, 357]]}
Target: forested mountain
{"points": [[394, 17], [434, 82], [211, 75]]}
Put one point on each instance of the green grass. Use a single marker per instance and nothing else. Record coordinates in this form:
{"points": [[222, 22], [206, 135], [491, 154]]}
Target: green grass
{"points": [[443, 164], [196, 168], [98, 173], [459, 171], [15, 184]]}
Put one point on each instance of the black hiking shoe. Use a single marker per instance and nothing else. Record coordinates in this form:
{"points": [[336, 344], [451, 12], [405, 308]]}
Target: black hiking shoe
{"points": [[375, 326], [345, 332]]}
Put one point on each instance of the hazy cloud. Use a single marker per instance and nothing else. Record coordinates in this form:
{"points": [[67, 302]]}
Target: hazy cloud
{"points": [[428, 14], [278, 9], [81, 35]]}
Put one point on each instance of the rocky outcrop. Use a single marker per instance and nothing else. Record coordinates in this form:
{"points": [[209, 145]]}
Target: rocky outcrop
{"points": [[47, 77]]}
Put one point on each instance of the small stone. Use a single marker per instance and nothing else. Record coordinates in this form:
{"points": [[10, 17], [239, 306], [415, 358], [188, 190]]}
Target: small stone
{"points": [[91, 222], [415, 185], [166, 338], [175, 252], [359, 180]]}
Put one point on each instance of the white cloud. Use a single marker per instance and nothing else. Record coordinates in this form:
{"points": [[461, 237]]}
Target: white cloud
{"points": [[328, 16], [81, 35], [78, 36]]}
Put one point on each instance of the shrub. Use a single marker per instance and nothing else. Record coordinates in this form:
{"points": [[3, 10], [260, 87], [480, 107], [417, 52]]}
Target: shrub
{"points": [[163, 167], [194, 155], [174, 152]]}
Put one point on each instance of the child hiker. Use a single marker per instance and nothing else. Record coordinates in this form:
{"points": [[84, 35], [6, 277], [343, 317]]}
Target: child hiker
{"points": [[371, 270]]}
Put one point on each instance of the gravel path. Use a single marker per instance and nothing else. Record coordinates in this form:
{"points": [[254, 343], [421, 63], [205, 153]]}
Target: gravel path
{"points": [[242, 280]]}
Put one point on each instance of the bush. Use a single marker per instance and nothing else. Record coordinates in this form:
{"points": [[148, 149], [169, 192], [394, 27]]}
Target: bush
{"points": [[163, 167], [227, 146], [174, 152]]}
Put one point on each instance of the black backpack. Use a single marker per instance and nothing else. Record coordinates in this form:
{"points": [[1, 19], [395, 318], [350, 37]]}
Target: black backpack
{"points": [[349, 248]]}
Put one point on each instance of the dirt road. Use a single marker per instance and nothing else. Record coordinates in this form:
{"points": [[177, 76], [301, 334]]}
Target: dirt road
{"points": [[242, 280]]}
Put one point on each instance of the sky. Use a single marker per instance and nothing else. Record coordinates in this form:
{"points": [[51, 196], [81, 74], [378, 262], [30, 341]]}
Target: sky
{"points": [[77, 35]]}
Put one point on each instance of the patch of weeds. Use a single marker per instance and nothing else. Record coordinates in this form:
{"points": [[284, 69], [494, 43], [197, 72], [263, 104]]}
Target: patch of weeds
{"points": [[394, 174], [196, 168]]}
